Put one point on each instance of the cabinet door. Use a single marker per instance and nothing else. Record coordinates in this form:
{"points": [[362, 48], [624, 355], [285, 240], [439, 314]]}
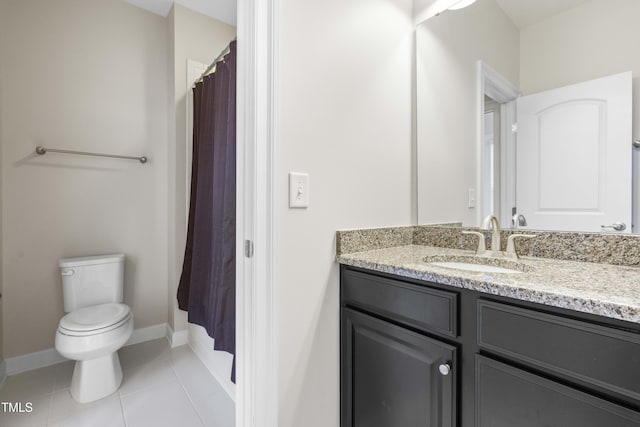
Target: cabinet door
{"points": [[596, 355], [390, 376], [510, 397]]}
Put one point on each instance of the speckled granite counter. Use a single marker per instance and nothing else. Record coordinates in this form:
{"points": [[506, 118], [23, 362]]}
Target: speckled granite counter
{"points": [[601, 289]]}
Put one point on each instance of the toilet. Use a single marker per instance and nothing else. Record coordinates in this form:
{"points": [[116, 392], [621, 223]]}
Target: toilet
{"points": [[96, 325]]}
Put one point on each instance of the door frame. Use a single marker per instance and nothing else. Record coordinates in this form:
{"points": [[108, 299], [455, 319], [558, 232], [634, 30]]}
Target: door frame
{"points": [[256, 333], [491, 83]]}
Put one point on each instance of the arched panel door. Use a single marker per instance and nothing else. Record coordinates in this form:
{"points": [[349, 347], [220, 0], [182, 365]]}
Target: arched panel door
{"points": [[574, 161]]}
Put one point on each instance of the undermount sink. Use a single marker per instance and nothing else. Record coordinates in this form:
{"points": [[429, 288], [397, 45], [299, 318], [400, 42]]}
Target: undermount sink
{"points": [[478, 264], [481, 268]]}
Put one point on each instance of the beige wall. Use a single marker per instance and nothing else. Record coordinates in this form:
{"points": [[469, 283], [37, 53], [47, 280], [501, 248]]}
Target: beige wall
{"points": [[199, 38], [448, 47], [596, 39], [593, 40], [344, 108], [3, 17], [86, 76]]}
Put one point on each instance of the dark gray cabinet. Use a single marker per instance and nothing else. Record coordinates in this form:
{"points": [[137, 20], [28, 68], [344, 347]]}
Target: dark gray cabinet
{"points": [[419, 307], [511, 397], [509, 363], [583, 352], [394, 377]]}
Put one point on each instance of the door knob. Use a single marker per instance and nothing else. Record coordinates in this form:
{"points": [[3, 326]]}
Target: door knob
{"points": [[444, 369], [618, 226]]}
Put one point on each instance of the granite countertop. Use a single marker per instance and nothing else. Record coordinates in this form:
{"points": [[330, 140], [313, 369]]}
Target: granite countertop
{"points": [[602, 289]]}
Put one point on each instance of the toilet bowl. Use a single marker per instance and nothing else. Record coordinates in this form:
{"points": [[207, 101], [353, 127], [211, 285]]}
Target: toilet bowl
{"points": [[96, 325], [92, 336]]}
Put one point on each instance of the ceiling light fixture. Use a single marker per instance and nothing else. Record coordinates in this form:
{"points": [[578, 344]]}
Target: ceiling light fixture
{"points": [[436, 7], [462, 4]]}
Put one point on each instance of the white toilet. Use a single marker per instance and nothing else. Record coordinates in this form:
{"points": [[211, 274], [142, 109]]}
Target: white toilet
{"points": [[97, 323]]}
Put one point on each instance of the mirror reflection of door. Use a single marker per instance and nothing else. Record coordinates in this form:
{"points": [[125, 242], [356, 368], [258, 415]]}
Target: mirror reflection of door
{"points": [[491, 162], [535, 45], [574, 156], [571, 165]]}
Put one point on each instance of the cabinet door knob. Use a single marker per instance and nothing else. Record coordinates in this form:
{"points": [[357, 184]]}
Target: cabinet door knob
{"points": [[444, 369]]}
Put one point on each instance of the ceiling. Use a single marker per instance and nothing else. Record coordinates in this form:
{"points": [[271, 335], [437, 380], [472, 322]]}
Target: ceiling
{"points": [[526, 12], [522, 12], [223, 10]]}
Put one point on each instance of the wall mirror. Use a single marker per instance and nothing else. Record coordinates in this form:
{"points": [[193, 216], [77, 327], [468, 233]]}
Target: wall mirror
{"points": [[525, 107]]}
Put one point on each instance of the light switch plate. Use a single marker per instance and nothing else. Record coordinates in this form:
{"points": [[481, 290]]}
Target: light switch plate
{"points": [[472, 198], [298, 190]]}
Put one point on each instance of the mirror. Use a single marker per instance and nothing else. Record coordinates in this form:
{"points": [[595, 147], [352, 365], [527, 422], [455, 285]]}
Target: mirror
{"points": [[528, 47]]}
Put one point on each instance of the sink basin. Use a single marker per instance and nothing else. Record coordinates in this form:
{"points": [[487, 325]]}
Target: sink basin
{"points": [[478, 264], [480, 268]]}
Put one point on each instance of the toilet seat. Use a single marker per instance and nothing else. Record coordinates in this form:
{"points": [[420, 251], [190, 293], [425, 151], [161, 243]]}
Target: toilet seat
{"points": [[95, 319]]}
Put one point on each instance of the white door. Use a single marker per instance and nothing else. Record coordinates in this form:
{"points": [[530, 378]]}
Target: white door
{"points": [[574, 156]]}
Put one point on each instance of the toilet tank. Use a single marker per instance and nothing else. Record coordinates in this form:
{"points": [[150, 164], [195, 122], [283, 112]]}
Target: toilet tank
{"points": [[91, 280]]}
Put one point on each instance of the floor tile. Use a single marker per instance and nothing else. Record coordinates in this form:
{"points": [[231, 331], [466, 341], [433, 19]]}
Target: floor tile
{"points": [[40, 405], [152, 374], [143, 353], [28, 385], [63, 374], [164, 406], [211, 401], [161, 386], [66, 412]]}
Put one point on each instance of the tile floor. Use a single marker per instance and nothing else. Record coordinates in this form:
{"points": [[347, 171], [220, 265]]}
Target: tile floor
{"points": [[162, 387]]}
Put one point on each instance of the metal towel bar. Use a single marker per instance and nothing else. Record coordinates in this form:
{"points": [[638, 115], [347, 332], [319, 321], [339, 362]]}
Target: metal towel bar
{"points": [[42, 150]]}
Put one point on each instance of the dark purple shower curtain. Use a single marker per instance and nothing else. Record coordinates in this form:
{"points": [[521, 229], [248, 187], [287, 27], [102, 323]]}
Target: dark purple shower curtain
{"points": [[207, 288]]}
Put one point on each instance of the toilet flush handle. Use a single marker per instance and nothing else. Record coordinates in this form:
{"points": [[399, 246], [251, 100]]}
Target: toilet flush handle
{"points": [[68, 272]]}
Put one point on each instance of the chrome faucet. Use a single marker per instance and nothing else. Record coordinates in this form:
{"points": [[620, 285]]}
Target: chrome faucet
{"points": [[491, 223]]}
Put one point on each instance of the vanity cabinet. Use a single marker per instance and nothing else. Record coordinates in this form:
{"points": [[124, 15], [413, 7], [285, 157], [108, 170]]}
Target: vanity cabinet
{"points": [[591, 359], [587, 353], [395, 377], [416, 353], [392, 373], [510, 397]]}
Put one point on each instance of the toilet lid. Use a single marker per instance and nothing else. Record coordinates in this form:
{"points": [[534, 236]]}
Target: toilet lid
{"points": [[95, 317]]}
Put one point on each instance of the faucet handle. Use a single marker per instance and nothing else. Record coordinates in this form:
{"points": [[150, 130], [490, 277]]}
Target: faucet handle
{"points": [[511, 246], [518, 220], [482, 248]]}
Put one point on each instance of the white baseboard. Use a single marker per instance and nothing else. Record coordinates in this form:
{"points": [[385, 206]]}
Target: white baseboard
{"points": [[217, 362], [35, 360], [176, 339], [3, 372], [147, 334], [50, 356]]}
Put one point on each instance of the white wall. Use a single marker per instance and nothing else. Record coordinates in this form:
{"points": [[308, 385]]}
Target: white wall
{"points": [[88, 76], [595, 39], [448, 47], [344, 96]]}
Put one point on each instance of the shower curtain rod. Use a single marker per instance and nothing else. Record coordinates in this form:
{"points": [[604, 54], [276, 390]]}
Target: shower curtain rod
{"points": [[212, 68]]}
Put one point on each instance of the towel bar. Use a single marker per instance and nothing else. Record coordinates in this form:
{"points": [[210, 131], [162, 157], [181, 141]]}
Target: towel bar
{"points": [[42, 150]]}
